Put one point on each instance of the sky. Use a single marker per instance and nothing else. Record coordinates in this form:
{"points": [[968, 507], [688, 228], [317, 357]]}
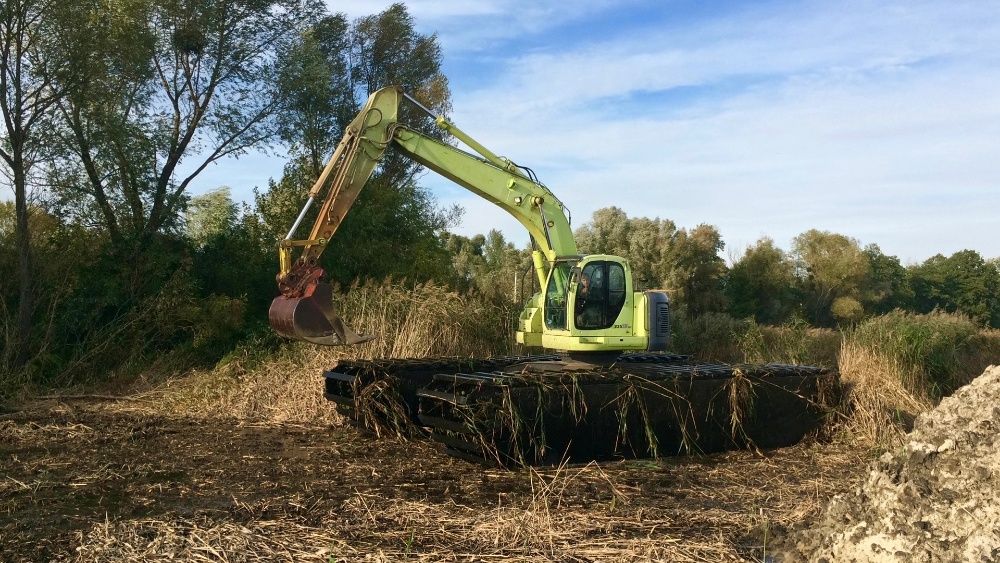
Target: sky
{"points": [[879, 120]]}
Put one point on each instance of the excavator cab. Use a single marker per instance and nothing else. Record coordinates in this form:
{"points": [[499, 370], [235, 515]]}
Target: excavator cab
{"points": [[589, 305]]}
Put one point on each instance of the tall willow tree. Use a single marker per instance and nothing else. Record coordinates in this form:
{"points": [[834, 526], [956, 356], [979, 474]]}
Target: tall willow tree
{"points": [[326, 76], [28, 51], [172, 86]]}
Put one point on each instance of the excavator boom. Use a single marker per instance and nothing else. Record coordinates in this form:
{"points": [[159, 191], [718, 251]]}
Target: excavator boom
{"points": [[304, 309]]}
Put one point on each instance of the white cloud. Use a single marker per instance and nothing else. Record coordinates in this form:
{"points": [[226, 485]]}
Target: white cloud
{"points": [[877, 120], [424, 10], [479, 25]]}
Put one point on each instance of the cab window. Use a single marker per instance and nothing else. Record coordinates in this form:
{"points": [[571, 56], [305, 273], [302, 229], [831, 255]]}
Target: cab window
{"points": [[600, 295]]}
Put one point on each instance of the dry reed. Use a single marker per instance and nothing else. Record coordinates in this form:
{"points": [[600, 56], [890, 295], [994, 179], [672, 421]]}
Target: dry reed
{"points": [[286, 386], [898, 365]]}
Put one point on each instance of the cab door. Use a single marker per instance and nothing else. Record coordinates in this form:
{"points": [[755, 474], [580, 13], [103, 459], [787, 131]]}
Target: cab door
{"points": [[601, 292]]}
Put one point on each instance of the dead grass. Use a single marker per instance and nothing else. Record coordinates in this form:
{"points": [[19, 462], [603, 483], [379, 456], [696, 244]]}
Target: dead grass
{"points": [[899, 365], [90, 482], [879, 409], [411, 321]]}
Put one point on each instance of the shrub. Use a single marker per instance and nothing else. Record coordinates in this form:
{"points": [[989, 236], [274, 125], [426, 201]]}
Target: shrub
{"points": [[712, 337], [792, 343], [932, 352]]}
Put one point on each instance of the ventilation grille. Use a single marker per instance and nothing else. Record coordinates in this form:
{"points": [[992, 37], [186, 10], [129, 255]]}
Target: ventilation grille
{"points": [[662, 319]]}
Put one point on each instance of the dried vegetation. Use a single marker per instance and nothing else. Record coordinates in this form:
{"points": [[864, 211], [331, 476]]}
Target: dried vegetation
{"points": [[93, 483], [896, 366]]}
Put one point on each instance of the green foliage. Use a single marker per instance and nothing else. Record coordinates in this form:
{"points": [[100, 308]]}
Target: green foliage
{"points": [[712, 337], [830, 266], [315, 90], [887, 286], [210, 215], [490, 265], [718, 337], [163, 91], [129, 267], [846, 310], [930, 350], [761, 284], [794, 343], [963, 282], [687, 263], [392, 230]]}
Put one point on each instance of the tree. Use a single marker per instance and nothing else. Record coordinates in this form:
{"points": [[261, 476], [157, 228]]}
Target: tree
{"points": [[27, 32], [829, 266], [210, 214], [385, 50], [172, 86], [644, 242], [393, 216], [847, 310], [502, 264], [316, 95], [390, 231], [887, 285], [697, 272], [328, 73], [761, 284], [962, 282], [466, 258], [661, 256]]}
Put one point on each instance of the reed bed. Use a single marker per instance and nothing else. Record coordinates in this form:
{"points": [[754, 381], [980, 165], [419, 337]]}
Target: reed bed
{"points": [[895, 366], [284, 385], [718, 337]]}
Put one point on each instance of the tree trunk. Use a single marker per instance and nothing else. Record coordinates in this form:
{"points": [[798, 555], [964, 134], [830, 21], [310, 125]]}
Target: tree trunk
{"points": [[25, 303]]}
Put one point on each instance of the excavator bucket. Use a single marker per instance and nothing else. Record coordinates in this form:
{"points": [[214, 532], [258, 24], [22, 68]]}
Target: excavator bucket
{"points": [[311, 318]]}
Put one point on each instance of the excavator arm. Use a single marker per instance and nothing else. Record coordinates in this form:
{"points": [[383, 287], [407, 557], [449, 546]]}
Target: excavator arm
{"points": [[304, 309]]}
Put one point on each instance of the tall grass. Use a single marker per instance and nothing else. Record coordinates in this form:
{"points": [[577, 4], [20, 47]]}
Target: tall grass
{"points": [[285, 385], [425, 320], [893, 367], [897, 365], [718, 337]]}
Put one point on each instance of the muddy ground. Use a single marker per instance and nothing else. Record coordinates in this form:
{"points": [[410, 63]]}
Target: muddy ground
{"points": [[93, 480]]}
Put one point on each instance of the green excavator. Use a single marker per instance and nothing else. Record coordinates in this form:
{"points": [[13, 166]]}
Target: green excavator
{"points": [[601, 383]]}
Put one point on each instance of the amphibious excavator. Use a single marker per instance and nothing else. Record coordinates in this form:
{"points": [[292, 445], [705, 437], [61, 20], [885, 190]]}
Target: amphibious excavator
{"points": [[601, 382]]}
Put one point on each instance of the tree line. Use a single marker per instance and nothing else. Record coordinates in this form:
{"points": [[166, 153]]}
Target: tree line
{"points": [[825, 279]]}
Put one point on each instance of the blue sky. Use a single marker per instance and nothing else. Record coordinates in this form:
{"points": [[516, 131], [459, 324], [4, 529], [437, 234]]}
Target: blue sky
{"points": [[879, 120]]}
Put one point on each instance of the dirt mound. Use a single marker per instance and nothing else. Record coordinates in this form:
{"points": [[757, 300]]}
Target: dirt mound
{"points": [[935, 500]]}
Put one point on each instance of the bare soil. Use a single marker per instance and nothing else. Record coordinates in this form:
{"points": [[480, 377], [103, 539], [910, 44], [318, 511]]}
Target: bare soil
{"points": [[110, 481]]}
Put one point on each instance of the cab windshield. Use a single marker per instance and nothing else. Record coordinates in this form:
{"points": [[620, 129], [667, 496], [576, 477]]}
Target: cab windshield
{"points": [[556, 293]]}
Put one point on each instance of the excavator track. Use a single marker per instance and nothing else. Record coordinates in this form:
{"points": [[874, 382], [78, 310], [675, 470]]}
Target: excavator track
{"points": [[543, 409], [381, 395]]}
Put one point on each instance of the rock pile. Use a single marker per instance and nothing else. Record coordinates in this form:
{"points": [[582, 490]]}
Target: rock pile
{"points": [[938, 499]]}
